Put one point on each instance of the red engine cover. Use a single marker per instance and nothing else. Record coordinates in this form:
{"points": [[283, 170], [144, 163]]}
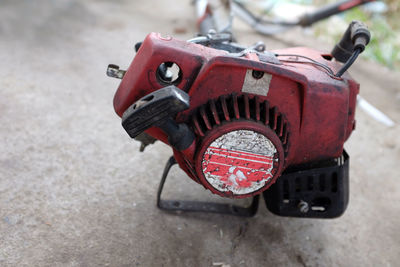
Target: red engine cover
{"points": [[296, 113]]}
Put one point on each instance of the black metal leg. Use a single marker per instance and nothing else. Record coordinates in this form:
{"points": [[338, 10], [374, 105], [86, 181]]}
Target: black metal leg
{"points": [[198, 206]]}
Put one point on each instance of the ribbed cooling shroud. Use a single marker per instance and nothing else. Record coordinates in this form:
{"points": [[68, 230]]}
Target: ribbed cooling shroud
{"points": [[240, 107]]}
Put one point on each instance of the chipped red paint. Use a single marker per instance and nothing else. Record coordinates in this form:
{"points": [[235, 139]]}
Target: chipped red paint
{"points": [[234, 158], [225, 162], [218, 159]]}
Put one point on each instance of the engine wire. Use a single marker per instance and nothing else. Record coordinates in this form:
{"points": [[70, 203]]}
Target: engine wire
{"points": [[349, 62], [311, 61]]}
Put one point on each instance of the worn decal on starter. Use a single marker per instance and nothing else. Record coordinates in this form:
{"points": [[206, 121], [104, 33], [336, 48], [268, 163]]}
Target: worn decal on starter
{"points": [[239, 161], [256, 86]]}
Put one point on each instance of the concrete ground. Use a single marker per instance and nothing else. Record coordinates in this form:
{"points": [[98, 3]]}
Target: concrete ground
{"points": [[75, 191]]}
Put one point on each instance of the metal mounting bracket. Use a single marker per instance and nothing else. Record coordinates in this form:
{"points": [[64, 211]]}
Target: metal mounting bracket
{"points": [[200, 206]]}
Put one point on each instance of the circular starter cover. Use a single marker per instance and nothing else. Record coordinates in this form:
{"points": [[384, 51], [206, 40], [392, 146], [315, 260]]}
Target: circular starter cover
{"points": [[240, 161]]}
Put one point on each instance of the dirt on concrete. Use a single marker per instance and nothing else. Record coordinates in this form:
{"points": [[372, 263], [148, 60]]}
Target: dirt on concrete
{"points": [[75, 191]]}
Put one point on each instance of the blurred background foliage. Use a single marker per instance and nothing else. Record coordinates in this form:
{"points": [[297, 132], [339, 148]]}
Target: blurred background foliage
{"points": [[382, 18]]}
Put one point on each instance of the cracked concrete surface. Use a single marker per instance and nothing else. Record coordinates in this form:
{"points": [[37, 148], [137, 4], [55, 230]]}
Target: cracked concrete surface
{"points": [[75, 191]]}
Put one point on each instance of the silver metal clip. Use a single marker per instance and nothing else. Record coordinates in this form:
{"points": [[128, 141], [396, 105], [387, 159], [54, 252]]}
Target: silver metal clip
{"points": [[115, 72]]}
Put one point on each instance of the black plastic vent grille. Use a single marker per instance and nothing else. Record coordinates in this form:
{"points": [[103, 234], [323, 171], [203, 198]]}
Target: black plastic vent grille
{"points": [[317, 192]]}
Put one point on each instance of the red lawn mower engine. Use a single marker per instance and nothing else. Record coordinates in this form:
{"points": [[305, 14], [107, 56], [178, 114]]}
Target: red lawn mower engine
{"points": [[245, 121]]}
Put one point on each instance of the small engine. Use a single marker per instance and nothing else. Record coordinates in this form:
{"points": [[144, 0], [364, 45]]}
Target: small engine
{"points": [[242, 121]]}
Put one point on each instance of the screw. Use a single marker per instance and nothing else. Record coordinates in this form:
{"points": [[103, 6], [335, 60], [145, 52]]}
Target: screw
{"points": [[303, 206], [257, 74], [259, 46]]}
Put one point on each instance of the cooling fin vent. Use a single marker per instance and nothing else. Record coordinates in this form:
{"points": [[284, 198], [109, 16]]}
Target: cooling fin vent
{"points": [[240, 107]]}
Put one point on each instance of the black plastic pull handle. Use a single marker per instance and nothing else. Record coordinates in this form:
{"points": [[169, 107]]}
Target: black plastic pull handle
{"points": [[158, 109]]}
